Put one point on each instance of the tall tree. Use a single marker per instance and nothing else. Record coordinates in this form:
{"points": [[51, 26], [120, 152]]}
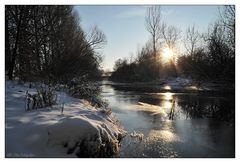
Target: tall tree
{"points": [[153, 25], [191, 40], [227, 19], [170, 35], [47, 42], [16, 16], [7, 39]]}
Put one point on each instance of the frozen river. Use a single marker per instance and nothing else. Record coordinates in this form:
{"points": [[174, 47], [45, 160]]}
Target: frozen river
{"points": [[174, 124]]}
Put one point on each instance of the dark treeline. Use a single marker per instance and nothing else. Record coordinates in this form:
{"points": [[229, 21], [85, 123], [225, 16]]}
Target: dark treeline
{"points": [[209, 56], [47, 43], [144, 68]]}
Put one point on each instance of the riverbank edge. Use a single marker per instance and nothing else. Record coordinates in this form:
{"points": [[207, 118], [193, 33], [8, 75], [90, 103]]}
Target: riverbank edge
{"points": [[163, 86], [98, 119]]}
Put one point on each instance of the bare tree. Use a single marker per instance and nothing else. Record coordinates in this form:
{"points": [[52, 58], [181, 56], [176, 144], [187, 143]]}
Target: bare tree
{"points": [[17, 23], [153, 24], [170, 35], [17, 15], [7, 38], [47, 43], [96, 38], [227, 19], [191, 40]]}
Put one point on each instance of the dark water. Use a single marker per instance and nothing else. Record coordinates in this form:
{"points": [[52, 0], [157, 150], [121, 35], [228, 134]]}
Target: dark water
{"points": [[174, 124]]}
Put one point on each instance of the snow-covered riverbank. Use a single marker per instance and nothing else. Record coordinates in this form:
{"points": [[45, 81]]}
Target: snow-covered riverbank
{"points": [[81, 130]]}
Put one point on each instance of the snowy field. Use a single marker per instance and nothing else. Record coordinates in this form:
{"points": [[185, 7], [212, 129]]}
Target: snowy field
{"points": [[81, 130]]}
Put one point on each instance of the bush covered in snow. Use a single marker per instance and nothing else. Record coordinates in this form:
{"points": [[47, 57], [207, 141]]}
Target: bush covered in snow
{"points": [[81, 88], [80, 131], [43, 97], [86, 137]]}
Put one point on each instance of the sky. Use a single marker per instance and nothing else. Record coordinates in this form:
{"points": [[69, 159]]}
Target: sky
{"points": [[124, 26]]}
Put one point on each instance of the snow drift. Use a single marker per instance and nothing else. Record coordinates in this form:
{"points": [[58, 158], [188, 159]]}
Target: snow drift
{"points": [[81, 130]]}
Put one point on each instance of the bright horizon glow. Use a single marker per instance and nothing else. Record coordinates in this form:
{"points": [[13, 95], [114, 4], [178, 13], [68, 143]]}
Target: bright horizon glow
{"points": [[124, 25]]}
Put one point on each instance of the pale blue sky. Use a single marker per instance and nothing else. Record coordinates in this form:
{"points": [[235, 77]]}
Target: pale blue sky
{"points": [[125, 30]]}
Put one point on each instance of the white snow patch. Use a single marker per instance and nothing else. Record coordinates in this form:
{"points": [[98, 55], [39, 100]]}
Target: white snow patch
{"points": [[43, 132], [179, 83]]}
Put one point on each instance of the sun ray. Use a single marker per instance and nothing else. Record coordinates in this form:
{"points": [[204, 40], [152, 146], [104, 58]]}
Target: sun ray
{"points": [[167, 54]]}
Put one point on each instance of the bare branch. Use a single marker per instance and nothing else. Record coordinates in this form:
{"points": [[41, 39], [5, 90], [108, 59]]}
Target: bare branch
{"points": [[170, 35], [153, 24], [191, 40], [96, 39]]}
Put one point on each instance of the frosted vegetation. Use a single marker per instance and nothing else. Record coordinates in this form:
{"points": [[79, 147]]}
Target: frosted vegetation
{"points": [[46, 45], [53, 106], [207, 56], [80, 130]]}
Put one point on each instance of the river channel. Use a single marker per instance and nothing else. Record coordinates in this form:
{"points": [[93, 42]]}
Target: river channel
{"points": [[166, 124]]}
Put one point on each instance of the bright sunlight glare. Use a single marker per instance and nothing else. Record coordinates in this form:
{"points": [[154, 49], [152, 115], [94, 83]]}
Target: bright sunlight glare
{"points": [[168, 96], [167, 53]]}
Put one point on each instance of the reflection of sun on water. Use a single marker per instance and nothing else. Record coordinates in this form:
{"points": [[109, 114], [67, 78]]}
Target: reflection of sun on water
{"points": [[165, 135], [167, 104], [168, 100], [161, 140], [168, 96]]}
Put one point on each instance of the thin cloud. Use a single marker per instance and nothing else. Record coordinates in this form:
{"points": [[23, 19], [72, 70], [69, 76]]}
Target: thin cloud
{"points": [[136, 12], [139, 12]]}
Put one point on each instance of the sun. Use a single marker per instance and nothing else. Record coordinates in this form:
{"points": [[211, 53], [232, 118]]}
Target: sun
{"points": [[167, 54]]}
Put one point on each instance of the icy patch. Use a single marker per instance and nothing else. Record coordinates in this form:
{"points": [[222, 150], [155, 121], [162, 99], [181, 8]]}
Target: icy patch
{"points": [[152, 109], [139, 136], [163, 135]]}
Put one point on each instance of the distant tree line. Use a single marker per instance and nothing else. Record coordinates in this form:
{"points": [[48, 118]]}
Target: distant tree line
{"points": [[47, 43], [215, 58], [208, 57]]}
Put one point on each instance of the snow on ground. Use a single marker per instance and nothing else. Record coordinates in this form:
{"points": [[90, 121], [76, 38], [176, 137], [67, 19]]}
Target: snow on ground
{"points": [[178, 82], [81, 129]]}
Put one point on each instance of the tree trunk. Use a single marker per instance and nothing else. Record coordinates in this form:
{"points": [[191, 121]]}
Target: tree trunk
{"points": [[14, 53], [7, 44], [154, 46]]}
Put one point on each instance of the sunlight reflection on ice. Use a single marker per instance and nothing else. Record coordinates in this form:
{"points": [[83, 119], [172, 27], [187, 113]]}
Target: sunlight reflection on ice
{"points": [[162, 109], [164, 135], [167, 104], [168, 96], [153, 109], [168, 100]]}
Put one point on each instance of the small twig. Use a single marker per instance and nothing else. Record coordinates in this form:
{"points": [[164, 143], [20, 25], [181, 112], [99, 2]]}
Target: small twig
{"points": [[62, 108]]}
